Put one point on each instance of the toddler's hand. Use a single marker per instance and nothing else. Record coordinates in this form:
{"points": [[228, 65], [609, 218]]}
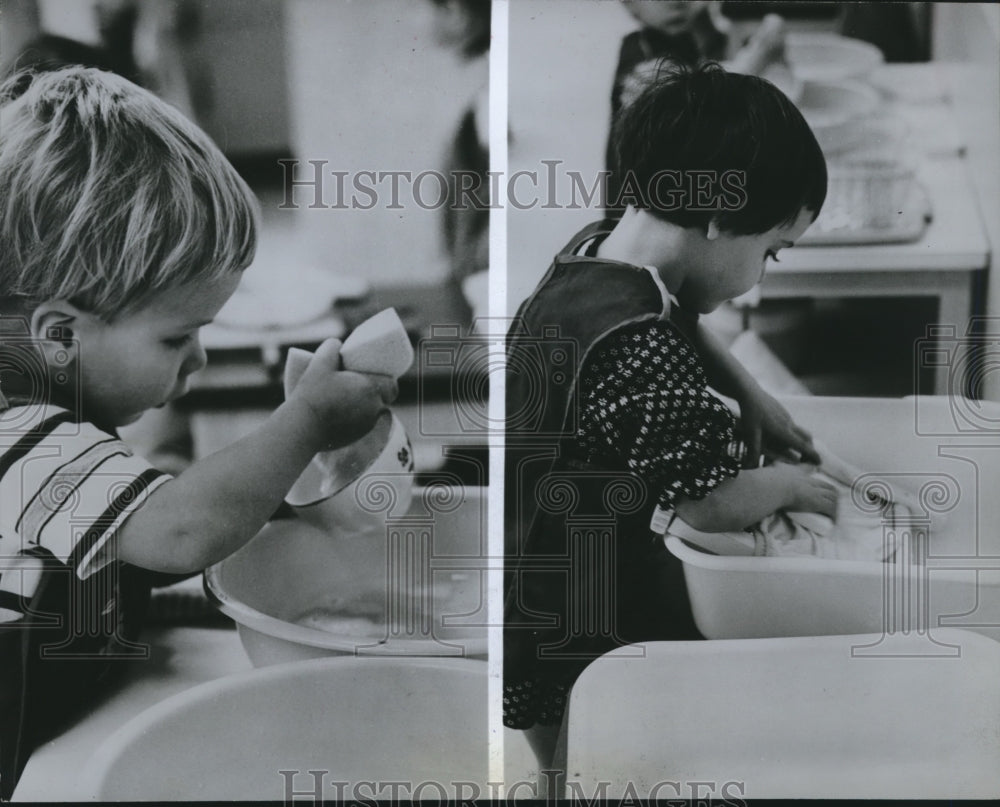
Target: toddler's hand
{"points": [[346, 403], [808, 493]]}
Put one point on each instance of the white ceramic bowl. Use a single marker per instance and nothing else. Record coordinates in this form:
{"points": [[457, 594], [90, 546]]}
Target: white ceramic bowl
{"points": [[416, 589], [357, 721], [824, 57], [334, 492]]}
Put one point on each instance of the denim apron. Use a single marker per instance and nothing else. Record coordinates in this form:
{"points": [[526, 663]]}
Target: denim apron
{"points": [[584, 573]]}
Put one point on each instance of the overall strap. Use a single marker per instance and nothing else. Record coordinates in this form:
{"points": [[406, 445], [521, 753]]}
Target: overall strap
{"points": [[588, 233]]}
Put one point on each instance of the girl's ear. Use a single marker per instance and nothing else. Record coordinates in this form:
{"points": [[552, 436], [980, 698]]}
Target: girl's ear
{"points": [[712, 232]]}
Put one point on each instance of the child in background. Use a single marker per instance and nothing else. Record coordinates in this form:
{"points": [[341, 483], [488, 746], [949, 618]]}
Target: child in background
{"points": [[464, 26], [123, 230], [635, 402], [684, 34]]}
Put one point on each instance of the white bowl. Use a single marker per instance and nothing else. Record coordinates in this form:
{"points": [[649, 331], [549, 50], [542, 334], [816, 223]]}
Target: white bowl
{"points": [[823, 57], [334, 491], [835, 111], [416, 589], [356, 721]]}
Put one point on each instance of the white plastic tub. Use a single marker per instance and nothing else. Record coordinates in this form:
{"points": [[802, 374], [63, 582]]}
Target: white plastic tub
{"points": [[809, 717], [361, 723], [945, 452], [418, 589]]}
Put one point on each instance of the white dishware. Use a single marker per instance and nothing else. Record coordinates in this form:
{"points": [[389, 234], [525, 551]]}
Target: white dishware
{"points": [[834, 111], [830, 57], [329, 493], [335, 491]]}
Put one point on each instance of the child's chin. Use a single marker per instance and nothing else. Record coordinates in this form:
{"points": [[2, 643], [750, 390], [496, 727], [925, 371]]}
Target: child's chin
{"points": [[128, 419], [704, 307]]}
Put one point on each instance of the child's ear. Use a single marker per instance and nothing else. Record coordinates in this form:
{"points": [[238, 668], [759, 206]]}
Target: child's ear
{"points": [[54, 325], [712, 232]]}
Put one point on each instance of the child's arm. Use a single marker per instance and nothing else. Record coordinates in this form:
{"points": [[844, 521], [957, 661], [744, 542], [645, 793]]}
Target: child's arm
{"points": [[767, 45], [761, 416], [220, 502], [745, 499]]}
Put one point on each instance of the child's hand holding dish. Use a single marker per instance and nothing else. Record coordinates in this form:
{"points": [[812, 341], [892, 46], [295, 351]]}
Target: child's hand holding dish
{"points": [[367, 363], [347, 403]]}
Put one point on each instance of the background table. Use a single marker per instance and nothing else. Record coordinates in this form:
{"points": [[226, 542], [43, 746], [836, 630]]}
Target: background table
{"points": [[563, 58], [947, 262]]}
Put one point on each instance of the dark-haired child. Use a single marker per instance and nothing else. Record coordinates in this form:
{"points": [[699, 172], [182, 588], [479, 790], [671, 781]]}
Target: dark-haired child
{"points": [[722, 173], [687, 34]]}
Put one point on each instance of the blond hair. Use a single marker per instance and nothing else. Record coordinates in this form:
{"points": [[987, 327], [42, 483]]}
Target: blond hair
{"points": [[108, 196]]}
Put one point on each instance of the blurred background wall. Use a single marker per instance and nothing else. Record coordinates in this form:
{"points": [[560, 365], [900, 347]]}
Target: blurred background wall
{"points": [[365, 86], [372, 90], [969, 33]]}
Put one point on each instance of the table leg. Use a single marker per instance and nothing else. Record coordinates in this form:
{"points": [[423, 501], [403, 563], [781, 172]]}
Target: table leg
{"points": [[954, 310]]}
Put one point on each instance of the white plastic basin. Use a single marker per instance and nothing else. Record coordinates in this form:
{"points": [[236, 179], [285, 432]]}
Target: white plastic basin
{"points": [[788, 718], [928, 446], [361, 722], [418, 589]]}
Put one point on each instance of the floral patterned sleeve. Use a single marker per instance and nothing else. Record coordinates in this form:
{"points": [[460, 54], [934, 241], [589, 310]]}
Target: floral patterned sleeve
{"points": [[645, 402]]}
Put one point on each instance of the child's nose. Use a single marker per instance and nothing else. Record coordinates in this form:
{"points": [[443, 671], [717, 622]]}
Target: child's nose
{"points": [[196, 359]]}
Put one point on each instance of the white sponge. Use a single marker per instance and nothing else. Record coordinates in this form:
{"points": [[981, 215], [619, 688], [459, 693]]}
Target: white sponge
{"points": [[295, 365], [378, 345]]}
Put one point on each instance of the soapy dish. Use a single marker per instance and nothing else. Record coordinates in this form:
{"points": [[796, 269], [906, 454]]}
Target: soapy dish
{"points": [[327, 494]]}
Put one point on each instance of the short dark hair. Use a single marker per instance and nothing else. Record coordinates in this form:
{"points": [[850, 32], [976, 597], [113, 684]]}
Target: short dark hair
{"points": [[689, 120]]}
